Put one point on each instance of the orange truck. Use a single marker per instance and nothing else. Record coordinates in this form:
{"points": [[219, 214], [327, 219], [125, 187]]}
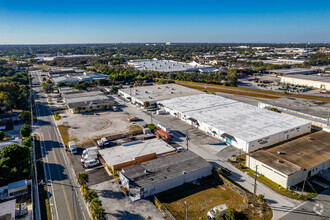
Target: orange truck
{"points": [[165, 136]]}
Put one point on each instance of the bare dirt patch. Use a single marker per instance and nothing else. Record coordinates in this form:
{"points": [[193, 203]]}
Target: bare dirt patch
{"points": [[86, 126]]}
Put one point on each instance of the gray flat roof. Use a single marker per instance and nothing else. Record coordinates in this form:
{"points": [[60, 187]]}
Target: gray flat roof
{"points": [[314, 77], [159, 92], [121, 154], [305, 152], [235, 118], [271, 160], [291, 71], [161, 169]]}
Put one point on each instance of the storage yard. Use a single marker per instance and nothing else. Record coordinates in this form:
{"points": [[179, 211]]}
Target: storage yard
{"points": [[84, 127]]}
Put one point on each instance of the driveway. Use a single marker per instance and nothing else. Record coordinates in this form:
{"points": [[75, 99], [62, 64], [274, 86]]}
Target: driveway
{"points": [[119, 206]]}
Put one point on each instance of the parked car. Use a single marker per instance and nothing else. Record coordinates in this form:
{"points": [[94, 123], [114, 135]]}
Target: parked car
{"points": [[216, 212], [73, 147], [91, 163]]}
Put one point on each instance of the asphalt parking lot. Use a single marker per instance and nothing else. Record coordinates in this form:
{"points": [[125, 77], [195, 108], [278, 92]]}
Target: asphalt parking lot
{"points": [[96, 175]]}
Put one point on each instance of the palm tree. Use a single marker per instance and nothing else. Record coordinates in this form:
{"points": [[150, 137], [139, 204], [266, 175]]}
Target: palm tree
{"points": [[82, 178]]}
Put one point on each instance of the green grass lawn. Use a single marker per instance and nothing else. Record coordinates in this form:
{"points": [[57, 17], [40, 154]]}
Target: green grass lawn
{"points": [[201, 198]]}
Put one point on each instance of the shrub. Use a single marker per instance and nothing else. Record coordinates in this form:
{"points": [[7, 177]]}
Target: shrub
{"points": [[152, 127], [241, 166], [115, 173], [82, 178], [118, 181], [219, 170], [2, 135], [25, 116], [260, 197], [89, 195], [25, 130]]}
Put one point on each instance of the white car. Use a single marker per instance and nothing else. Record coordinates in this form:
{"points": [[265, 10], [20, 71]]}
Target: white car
{"points": [[91, 163], [218, 211]]}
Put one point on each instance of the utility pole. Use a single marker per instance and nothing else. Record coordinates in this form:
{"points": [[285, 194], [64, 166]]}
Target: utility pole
{"points": [[187, 139], [185, 202], [303, 187], [255, 186]]}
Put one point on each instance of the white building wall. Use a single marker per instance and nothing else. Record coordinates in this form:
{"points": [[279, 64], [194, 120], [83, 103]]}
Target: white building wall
{"points": [[269, 172], [305, 82], [239, 143], [177, 181], [281, 178]]}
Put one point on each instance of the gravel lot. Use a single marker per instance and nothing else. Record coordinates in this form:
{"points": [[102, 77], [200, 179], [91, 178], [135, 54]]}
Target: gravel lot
{"points": [[85, 126], [119, 206]]}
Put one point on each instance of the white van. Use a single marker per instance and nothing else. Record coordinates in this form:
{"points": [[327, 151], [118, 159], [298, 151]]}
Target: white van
{"points": [[91, 163], [73, 147]]}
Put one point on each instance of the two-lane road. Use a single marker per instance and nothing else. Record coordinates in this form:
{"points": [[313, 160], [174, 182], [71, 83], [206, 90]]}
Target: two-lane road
{"points": [[64, 197]]}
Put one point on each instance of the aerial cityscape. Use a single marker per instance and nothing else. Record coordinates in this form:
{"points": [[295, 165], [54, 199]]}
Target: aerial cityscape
{"points": [[184, 110]]}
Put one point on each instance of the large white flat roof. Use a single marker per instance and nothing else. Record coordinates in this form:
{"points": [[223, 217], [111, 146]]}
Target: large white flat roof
{"points": [[238, 119], [159, 92], [166, 65], [121, 154]]}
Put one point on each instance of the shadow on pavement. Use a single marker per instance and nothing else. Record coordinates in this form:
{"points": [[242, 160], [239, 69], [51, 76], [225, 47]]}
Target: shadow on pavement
{"points": [[126, 215]]}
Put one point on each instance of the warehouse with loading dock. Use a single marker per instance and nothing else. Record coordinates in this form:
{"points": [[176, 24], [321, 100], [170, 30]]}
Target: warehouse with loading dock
{"points": [[290, 163], [241, 125]]}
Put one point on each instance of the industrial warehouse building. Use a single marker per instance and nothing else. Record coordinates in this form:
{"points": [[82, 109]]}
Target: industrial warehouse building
{"points": [[283, 72], [241, 125], [170, 66], [290, 163], [155, 93], [316, 81], [131, 153], [162, 174], [87, 101]]}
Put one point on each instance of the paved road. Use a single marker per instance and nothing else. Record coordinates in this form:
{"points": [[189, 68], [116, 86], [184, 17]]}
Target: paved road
{"points": [[65, 200], [280, 205], [316, 209]]}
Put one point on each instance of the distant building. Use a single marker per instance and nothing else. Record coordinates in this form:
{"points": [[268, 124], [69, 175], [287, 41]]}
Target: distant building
{"points": [[87, 101], [155, 176], [155, 93], [170, 66], [291, 163], [74, 76], [282, 72], [50, 58], [316, 81]]}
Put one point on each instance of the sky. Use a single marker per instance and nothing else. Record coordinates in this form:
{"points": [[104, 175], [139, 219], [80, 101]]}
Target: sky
{"points": [[108, 21]]}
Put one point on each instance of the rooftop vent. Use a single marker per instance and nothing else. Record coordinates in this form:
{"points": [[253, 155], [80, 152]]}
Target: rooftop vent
{"points": [[279, 152], [279, 161], [146, 171], [184, 172]]}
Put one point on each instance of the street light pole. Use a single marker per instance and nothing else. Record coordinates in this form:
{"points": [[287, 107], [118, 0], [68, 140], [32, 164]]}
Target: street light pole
{"points": [[185, 202], [255, 186]]}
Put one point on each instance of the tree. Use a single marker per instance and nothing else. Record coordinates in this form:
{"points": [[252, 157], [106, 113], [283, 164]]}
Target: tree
{"points": [[98, 212], [27, 141], [25, 131], [47, 86], [82, 178], [230, 214], [14, 163], [78, 109], [25, 116], [2, 135], [89, 195], [146, 104]]}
